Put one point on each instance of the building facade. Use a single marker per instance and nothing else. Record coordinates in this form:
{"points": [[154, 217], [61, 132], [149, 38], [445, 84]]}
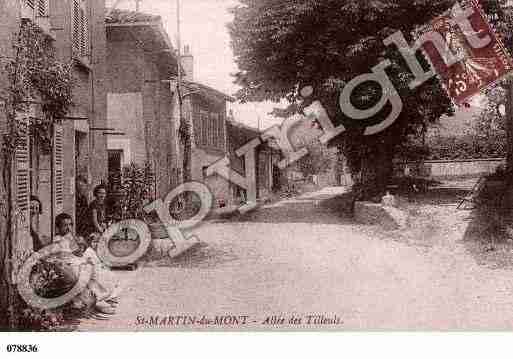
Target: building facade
{"points": [[141, 104], [266, 164], [75, 32]]}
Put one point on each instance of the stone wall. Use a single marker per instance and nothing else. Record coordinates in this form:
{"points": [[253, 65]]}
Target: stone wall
{"points": [[452, 169]]}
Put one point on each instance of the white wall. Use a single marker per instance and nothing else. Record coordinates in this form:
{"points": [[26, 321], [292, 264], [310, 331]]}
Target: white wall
{"points": [[125, 114]]}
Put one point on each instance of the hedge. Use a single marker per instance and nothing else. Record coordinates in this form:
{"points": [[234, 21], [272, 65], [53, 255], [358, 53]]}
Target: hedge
{"points": [[460, 148]]}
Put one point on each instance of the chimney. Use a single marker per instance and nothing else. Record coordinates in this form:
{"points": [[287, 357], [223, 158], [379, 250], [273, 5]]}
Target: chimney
{"points": [[188, 63]]}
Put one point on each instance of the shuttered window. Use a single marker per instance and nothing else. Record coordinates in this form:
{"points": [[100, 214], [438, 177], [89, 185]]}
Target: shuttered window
{"points": [[210, 140], [58, 168], [21, 241], [31, 3], [40, 7], [204, 129], [214, 118], [22, 167], [209, 130], [80, 32]]}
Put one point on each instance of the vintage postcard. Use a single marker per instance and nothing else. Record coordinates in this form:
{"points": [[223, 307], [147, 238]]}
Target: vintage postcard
{"points": [[243, 165]]}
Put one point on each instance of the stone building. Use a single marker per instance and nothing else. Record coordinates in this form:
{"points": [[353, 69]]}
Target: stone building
{"points": [[75, 30], [207, 109], [143, 105], [266, 165], [141, 102]]}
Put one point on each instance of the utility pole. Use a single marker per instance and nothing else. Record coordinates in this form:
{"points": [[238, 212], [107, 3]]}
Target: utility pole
{"points": [[179, 54], [185, 126], [138, 5], [179, 80]]}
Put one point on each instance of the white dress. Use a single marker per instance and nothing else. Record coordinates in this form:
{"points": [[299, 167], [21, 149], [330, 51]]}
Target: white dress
{"points": [[103, 283]]}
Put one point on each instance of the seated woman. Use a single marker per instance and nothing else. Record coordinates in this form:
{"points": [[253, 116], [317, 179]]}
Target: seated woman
{"points": [[96, 212], [102, 285]]}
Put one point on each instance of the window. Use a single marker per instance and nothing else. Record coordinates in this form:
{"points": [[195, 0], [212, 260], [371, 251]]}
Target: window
{"points": [[204, 130], [58, 168], [22, 161], [36, 8], [214, 120], [210, 130], [80, 33], [37, 11], [22, 247]]}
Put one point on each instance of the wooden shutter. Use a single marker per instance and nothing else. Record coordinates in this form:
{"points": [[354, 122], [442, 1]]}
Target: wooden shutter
{"points": [[204, 123], [31, 3], [217, 129], [58, 169], [22, 241], [22, 170], [208, 124], [80, 33], [197, 126], [76, 27], [84, 25], [212, 131], [42, 8]]}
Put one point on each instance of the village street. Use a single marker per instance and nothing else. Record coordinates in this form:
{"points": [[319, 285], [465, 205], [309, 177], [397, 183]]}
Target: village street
{"points": [[288, 259]]}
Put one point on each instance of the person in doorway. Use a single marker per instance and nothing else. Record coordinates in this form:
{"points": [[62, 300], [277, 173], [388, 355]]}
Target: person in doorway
{"points": [[36, 209], [81, 205], [96, 213], [102, 284]]}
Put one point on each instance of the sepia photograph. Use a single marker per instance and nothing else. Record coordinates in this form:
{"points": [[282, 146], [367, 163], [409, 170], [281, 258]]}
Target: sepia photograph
{"points": [[255, 166]]}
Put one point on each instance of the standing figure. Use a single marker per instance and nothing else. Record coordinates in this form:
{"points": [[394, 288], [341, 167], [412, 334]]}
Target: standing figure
{"points": [[81, 206], [96, 213], [36, 209]]}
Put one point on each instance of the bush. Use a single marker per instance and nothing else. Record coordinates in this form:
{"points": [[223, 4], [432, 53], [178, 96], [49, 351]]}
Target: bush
{"points": [[136, 188], [461, 148]]}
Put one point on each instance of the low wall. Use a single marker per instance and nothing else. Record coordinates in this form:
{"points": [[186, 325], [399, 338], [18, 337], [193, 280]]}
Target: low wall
{"points": [[452, 168]]}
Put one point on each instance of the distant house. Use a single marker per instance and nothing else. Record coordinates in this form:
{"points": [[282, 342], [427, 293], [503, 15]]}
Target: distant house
{"points": [[205, 107], [143, 107], [267, 171]]}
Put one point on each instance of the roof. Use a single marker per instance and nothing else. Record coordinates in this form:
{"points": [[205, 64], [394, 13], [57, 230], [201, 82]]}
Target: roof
{"points": [[148, 31], [239, 134], [117, 16], [206, 91], [248, 129]]}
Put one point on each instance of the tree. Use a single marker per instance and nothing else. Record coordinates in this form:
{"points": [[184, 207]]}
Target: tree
{"points": [[281, 46], [318, 160], [500, 15], [492, 119], [136, 186], [30, 72]]}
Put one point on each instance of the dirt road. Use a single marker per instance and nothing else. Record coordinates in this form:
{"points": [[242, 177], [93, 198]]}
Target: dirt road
{"points": [[287, 261]]}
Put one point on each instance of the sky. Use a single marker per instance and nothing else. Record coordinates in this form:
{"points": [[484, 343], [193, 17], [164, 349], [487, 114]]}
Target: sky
{"points": [[203, 28]]}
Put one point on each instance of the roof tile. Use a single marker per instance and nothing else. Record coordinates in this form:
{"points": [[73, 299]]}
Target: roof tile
{"points": [[117, 16]]}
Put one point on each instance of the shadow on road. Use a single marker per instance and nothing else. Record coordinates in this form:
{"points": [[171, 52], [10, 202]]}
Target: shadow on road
{"points": [[201, 256], [489, 237], [447, 193], [335, 210]]}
